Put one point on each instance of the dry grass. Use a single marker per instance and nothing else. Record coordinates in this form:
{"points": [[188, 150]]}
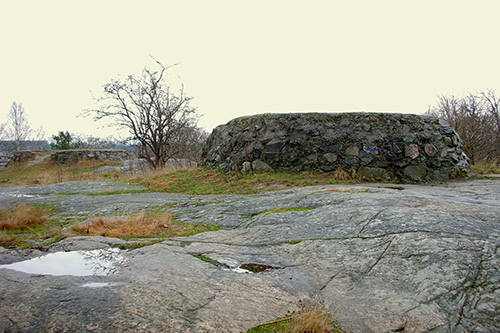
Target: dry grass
{"points": [[26, 225], [31, 226], [10, 241], [313, 318], [23, 217], [342, 175], [174, 179], [486, 168], [146, 224], [131, 226], [202, 181], [42, 171]]}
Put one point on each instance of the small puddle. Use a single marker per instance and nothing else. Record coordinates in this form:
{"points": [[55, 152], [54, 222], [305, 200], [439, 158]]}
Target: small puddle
{"points": [[238, 270], [252, 268], [77, 263], [257, 268], [20, 195]]}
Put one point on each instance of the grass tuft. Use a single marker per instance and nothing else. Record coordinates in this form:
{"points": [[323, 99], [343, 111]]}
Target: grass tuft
{"points": [[311, 318], [154, 223], [23, 217], [23, 226]]}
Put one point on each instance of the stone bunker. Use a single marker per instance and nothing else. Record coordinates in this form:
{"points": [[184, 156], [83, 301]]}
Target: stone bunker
{"points": [[375, 146]]}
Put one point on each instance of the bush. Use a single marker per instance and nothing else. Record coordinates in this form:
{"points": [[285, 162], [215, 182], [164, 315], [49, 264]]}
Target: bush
{"points": [[64, 141]]}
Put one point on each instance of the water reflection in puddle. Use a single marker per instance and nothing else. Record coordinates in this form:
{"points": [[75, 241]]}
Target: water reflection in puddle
{"points": [[78, 263], [20, 195], [238, 270]]}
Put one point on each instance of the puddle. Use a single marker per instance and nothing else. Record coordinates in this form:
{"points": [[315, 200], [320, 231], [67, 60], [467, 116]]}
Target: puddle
{"points": [[76, 263], [252, 268], [257, 268], [20, 195], [239, 270]]}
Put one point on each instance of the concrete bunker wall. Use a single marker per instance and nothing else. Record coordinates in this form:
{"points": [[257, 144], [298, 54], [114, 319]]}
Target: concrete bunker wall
{"points": [[380, 146]]}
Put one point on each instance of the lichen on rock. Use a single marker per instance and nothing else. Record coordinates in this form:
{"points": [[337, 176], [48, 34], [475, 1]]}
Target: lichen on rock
{"points": [[401, 147]]}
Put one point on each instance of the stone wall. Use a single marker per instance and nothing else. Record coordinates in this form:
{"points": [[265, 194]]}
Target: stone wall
{"points": [[21, 156], [73, 156], [379, 146]]}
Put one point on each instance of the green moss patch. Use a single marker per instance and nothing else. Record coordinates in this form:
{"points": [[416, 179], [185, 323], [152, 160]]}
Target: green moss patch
{"points": [[286, 209], [213, 182]]}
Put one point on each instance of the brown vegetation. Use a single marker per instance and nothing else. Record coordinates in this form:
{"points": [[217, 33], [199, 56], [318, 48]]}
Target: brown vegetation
{"points": [[25, 225], [312, 318], [486, 168], [203, 181], [140, 225], [154, 223], [23, 217], [42, 171]]}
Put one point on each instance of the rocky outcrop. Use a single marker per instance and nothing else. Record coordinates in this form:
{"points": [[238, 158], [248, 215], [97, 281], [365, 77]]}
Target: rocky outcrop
{"points": [[382, 258], [21, 156], [402, 147], [73, 156]]}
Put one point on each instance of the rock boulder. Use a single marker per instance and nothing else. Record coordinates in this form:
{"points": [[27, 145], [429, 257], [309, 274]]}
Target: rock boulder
{"points": [[402, 147]]}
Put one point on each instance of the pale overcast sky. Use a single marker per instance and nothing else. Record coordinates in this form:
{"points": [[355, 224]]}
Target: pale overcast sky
{"points": [[247, 57]]}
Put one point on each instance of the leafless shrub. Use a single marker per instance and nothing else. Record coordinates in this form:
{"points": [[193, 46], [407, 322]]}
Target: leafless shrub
{"points": [[476, 118]]}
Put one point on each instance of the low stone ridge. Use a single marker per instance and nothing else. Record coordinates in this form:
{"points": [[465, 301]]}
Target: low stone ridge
{"points": [[382, 258], [402, 147], [73, 156], [20, 156]]}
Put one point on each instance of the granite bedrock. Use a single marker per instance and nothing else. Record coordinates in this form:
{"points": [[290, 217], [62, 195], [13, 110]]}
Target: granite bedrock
{"points": [[375, 146]]}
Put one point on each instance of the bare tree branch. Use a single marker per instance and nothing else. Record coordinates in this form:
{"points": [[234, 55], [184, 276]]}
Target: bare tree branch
{"points": [[153, 112], [20, 128], [475, 117], [3, 131]]}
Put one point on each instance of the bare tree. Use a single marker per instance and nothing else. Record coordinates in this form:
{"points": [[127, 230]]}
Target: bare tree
{"points": [[492, 105], [20, 128], [3, 131], [189, 144], [153, 113], [475, 117]]}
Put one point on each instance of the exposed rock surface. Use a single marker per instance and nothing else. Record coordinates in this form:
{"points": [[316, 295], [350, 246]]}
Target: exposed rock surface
{"points": [[73, 156], [403, 147], [422, 258]]}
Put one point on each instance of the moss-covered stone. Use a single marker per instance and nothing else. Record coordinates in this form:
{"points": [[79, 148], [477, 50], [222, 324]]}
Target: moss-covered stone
{"points": [[400, 147]]}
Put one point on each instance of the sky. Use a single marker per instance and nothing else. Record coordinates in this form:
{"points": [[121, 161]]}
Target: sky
{"points": [[241, 58]]}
